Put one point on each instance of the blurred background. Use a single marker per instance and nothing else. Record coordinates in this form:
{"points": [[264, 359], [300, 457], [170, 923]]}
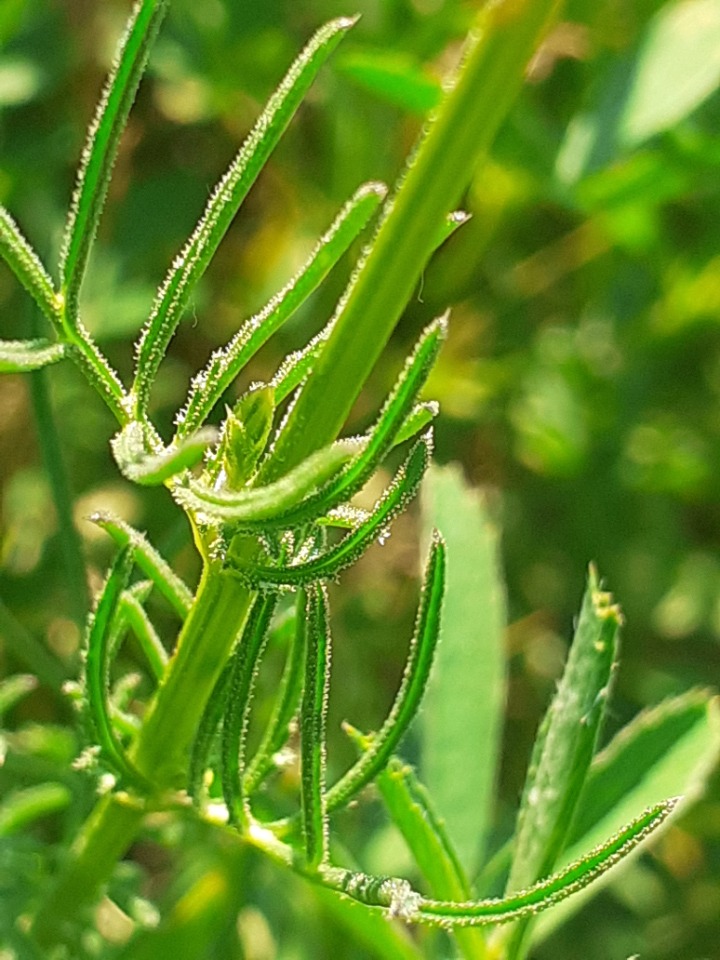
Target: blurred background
{"points": [[580, 385]]}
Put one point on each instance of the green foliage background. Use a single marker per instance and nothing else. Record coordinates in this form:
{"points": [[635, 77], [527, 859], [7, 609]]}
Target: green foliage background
{"points": [[580, 385]]}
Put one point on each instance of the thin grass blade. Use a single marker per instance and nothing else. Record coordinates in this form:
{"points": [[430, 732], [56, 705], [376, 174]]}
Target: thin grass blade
{"points": [[232, 189], [673, 746], [102, 146], [145, 633], [209, 385], [21, 808], [24, 262], [170, 585]]}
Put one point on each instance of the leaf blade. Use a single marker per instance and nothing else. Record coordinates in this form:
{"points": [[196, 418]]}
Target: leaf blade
{"points": [[189, 266]]}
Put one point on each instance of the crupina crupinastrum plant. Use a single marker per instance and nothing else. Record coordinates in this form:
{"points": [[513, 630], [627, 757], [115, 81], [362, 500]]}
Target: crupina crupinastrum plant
{"points": [[268, 494]]}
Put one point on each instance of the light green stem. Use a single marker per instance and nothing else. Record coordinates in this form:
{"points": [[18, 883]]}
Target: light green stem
{"points": [[503, 39]]}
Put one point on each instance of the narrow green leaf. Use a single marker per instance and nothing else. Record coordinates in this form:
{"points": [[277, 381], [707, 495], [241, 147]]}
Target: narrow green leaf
{"points": [[565, 745], [245, 434], [380, 747], [413, 812], [97, 667], [420, 417], [411, 809], [232, 189], [170, 585], [258, 505], [298, 365], [463, 710], [673, 746], [151, 467], [23, 807], [576, 876], [393, 76], [25, 264], [20, 356], [13, 689], [380, 438], [500, 44], [102, 145], [286, 705], [313, 720], [243, 669], [145, 634], [224, 365], [329, 564]]}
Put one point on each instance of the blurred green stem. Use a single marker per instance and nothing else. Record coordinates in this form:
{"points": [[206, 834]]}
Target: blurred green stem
{"points": [[501, 45], [54, 463]]}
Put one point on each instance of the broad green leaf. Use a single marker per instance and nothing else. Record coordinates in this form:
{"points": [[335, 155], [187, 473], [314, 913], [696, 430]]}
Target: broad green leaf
{"points": [[23, 807], [672, 748], [189, 266], [175, 591], [16, 251], [675, 70], [144, 465], [565, 745], [19, 356], [464, 705], [224, 365], [102, 146]]}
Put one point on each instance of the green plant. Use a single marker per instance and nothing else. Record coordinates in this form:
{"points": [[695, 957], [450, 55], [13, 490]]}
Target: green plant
{"points": [[264, 490]]}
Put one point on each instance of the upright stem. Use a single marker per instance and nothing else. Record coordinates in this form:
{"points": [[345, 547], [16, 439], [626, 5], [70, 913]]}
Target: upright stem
{"points": [[161, 750], [504, 37]]}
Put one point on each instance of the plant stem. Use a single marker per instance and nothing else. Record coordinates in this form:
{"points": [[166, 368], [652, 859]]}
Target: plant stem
{"points": [[103, 840], [504, 37], [161, 750]]}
